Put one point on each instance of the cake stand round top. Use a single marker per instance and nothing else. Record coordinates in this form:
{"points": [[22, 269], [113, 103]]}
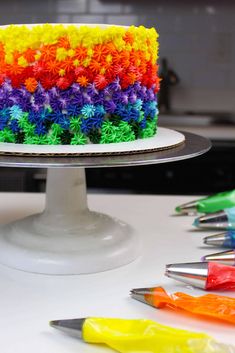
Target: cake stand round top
{"points": [[193, 145]]}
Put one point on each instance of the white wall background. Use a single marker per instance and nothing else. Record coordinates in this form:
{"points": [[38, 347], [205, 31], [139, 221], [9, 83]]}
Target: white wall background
{"points": [[197, 37]]}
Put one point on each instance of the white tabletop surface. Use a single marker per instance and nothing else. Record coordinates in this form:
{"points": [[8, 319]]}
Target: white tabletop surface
{"points": [[29, 301]]}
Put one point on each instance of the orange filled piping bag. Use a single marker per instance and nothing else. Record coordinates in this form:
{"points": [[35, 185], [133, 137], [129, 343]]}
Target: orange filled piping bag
{"points": [[209, 305]]}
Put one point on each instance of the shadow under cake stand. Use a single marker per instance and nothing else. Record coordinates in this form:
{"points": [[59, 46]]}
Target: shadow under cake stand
{"points": [[68, 238]]}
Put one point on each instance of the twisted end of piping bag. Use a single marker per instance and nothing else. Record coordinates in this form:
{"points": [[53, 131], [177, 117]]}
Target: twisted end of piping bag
{"points": [[216, 347]]}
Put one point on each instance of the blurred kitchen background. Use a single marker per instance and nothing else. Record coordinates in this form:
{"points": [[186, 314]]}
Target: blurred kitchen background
{"points": [[197, 51]]}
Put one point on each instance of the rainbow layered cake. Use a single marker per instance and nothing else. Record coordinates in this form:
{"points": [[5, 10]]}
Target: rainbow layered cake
{"points": [[77, 84]]}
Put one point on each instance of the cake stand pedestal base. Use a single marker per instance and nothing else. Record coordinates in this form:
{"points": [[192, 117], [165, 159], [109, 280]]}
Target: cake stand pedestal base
{"points": [[67, 238]]}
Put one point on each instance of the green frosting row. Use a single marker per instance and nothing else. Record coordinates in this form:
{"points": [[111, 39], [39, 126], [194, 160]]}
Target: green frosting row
{"points": [[110, 132]]}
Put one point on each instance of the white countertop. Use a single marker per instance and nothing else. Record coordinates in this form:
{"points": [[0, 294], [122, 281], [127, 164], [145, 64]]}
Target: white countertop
{"points": [[29, 301]]}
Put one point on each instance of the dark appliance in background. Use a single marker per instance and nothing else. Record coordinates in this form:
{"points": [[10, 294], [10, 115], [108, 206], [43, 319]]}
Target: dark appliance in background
{"points": [[206, 174], [17, 180], [168, 78]]}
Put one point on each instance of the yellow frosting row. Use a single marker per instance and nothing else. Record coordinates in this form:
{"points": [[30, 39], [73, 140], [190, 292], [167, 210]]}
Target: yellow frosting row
{"points": [[20, 38]]}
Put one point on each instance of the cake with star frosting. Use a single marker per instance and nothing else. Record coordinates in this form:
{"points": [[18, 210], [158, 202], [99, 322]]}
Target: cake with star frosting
{"points": [[77, 84]]}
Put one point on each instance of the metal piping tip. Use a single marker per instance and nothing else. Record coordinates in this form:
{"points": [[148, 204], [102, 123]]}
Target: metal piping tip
{"points": [[189, 208], [216, 239], [73, 327], [144, 295], [212, 221], [140, 297], [194, 274], [224, 257]]}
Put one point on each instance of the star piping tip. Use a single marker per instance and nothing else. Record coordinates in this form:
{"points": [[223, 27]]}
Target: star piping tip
{"points": [[167, 271], [205, 241], [178, 209], [52, 323], [196, 222], [134, 294]]}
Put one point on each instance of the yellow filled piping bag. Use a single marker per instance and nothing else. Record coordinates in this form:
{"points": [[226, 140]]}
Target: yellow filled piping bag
{"points": [[134, 336]]}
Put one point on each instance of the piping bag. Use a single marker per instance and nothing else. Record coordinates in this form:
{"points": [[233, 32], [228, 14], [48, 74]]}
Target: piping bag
{"points": [[140, 335], [209, 305]]}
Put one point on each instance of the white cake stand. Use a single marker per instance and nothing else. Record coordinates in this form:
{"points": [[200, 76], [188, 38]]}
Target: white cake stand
{"points": [[68, 238]]}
